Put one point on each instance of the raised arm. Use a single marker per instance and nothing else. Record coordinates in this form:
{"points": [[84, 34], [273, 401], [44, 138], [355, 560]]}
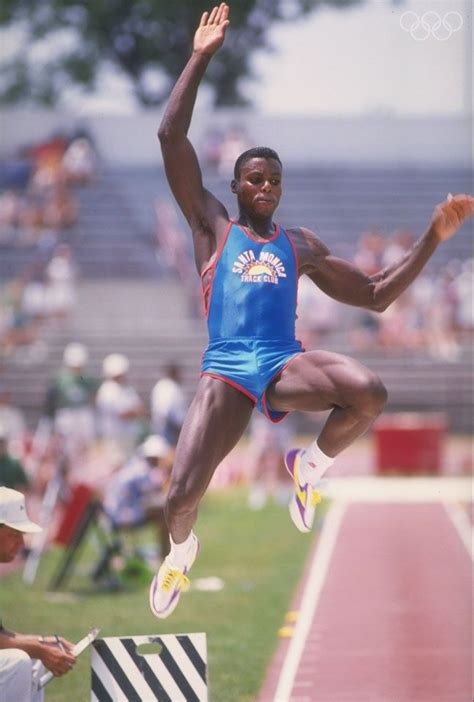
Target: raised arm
{"points": [[345, 282], [200, 208]]}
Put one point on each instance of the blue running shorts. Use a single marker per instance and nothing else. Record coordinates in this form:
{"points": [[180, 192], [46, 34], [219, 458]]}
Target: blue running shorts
{"points": [[250, 365]]}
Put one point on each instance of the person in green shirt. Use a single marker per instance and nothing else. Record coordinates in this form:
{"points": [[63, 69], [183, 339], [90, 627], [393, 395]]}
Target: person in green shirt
{"points": [[70, 402], [12, 473]]}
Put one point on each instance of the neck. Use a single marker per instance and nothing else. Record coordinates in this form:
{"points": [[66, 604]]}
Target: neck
{"points": [[262, 227]]}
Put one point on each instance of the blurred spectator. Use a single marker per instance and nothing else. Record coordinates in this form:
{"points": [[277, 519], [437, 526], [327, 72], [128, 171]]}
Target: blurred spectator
{"points": [[119, 406], [317, 314], [17, 327], [35, 207], [397, 246], [61, 274], [80, 161], [70, 402], [10, 209], [441, 331], [168, 404], [401, 325], [61, 209], [35, 295], [211, 148], [235, 141], [12, 473], [11, 417], [135, 494], [173, 251], [268, 477], [370, 250], [464, 288]]}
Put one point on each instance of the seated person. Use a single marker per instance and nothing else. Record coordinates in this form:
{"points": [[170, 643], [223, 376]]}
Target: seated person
{"points": [[24, 657], [136, 493]]}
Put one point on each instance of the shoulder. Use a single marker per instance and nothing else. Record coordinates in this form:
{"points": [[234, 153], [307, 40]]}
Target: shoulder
{"points": [[309, 247]]}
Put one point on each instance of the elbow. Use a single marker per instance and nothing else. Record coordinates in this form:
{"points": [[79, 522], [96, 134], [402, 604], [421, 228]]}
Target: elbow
{"points": [[166, 134], [378, 304], [163, 135], [378, 300], [379, 307]]}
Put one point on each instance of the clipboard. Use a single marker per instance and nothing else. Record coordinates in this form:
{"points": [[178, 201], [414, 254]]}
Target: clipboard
{"points": [[79, 648]]}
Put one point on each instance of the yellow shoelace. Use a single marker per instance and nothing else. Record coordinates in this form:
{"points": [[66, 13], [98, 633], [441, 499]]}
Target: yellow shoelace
{"points": [[316, 498], [174, 578]]}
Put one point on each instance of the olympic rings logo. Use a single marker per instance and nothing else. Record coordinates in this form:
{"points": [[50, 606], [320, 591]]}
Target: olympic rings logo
{"points": [[431, 24]]}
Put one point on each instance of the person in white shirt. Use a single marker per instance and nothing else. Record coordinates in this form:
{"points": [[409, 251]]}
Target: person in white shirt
{"points": [[24, 657], [119, 406]]}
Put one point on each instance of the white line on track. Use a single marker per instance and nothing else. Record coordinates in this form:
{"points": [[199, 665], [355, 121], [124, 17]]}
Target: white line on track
{"points": [[400, 489], [312, 592], [462, 524]]}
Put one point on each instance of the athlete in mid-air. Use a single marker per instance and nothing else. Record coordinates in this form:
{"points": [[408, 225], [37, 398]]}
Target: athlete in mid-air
{"points": [[249, 269]]}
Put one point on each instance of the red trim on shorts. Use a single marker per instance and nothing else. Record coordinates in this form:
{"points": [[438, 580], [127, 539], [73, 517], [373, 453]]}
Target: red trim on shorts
{"points": [[207, 291], [275, 420], [232, 383], [259, 241]]}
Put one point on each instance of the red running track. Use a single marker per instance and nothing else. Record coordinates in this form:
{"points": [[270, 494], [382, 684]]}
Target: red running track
{"points": [[393, 621]]}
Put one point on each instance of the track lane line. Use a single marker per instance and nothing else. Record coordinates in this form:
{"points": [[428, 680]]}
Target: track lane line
{"points": [[462, 524], [312, 592]]}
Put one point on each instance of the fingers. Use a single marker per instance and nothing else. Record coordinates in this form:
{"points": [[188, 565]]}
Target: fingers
{"points": [[68, 645], [213, 15], [222, 13], [461, 198], [218, 15], [462, 205]]}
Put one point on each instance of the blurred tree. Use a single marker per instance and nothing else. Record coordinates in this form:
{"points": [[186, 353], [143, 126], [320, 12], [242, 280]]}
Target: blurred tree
{"points": [[66, 42]]}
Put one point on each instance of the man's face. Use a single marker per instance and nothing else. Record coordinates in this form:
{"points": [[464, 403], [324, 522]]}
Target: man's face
{"points": [[258, 188], [11, 541]]}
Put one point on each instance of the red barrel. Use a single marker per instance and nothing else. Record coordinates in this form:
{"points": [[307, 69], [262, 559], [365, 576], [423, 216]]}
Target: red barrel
{"points": [[410, 443]]}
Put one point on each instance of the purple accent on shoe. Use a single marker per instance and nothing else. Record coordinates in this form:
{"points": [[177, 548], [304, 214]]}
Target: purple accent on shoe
{"points": [[301, 507], [290, 460]]}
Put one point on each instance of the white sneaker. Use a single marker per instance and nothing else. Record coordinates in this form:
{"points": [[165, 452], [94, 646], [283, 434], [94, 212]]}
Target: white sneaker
{"points": [[170, 582], [305, 497]]}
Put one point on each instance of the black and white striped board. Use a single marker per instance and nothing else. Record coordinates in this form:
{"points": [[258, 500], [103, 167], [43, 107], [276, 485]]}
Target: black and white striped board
{"points": [[177, 674]]}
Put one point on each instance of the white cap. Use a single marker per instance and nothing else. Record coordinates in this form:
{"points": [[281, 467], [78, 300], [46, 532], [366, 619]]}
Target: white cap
{"points": [[155, 447], [13, 511], [115, 364], [75, 355]]}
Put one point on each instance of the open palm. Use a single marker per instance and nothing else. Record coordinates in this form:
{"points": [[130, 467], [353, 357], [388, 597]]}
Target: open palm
{"points": [[450, 215], [210, 34]]}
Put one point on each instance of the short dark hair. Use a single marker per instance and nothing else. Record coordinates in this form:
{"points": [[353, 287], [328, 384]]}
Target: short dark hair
{"points": [[255, 152]]}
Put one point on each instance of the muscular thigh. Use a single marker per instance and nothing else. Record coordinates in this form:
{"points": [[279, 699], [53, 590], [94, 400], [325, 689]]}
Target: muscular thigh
{"points": [[316, 381], [215, 422]]}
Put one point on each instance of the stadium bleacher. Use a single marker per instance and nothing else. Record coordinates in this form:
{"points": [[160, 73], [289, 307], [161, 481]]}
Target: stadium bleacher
{"points": [[129, 303]]}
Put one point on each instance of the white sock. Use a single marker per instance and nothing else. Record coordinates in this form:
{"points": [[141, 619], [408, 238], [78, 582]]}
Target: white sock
{"points": [[179, 553], [314, 463]]}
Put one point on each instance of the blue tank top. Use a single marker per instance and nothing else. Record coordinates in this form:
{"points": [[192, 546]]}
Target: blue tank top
{"points": [[252, 290]]}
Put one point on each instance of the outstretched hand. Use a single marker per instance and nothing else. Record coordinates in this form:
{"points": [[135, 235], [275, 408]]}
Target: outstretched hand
{"points": [[210, 34], [451, 214]]}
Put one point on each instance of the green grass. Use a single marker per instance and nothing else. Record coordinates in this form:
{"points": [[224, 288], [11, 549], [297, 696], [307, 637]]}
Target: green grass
{"points": [[260, 557]]}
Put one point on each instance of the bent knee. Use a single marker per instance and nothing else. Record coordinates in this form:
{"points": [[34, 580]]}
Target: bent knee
{"points": [[372, 394], [17, 666]]}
